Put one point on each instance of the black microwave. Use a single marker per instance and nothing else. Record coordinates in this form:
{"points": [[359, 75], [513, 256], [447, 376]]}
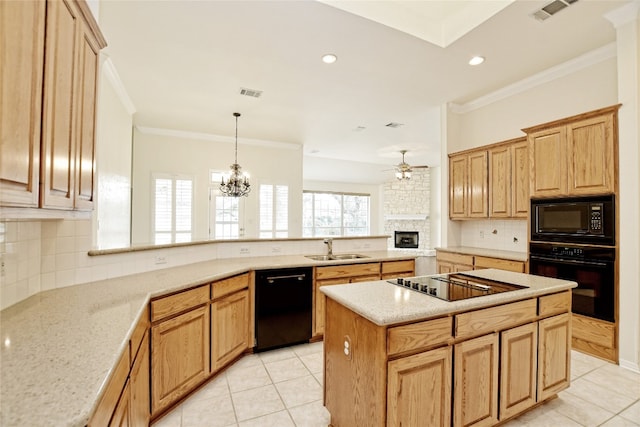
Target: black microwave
{"points": [[589, 220]]}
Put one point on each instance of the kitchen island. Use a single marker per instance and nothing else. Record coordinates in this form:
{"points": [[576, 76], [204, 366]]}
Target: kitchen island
{"points": [[394, 356]]}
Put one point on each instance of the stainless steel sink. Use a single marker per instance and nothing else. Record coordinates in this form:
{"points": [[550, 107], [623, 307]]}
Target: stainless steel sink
{"points": [[335, 257]]}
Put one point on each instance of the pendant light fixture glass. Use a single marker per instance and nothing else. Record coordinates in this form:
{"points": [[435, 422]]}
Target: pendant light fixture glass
{"points": [[237, 183]]}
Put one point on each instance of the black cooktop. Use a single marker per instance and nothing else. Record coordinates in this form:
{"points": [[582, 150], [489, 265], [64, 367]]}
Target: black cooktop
{"points": [[455, 286]]}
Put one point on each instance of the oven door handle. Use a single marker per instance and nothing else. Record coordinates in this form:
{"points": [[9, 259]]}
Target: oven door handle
{"points": [[569, 261]]}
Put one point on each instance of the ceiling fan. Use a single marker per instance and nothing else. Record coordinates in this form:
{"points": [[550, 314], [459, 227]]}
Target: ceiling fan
{"points": [[403, 169]]}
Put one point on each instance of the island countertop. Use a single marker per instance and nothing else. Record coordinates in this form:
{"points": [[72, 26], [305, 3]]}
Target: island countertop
{"points": [[58, 347], [386, 304]]}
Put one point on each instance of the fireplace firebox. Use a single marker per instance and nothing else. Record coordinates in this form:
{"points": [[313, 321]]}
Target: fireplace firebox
{"points": [[406, 239]]}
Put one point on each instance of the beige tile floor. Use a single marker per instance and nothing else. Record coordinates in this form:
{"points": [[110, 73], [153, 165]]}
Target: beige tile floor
{"points": [[283, 388]]}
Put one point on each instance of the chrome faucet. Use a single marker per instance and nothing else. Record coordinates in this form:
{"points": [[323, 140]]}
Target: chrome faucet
{"points": [[329, 243]]}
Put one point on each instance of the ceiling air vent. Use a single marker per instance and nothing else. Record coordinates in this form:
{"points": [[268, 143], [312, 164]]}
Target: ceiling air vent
{"points": [[250, 92], [393, 125], [551, 9]]}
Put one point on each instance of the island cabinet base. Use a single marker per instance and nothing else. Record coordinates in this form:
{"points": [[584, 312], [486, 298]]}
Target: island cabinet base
{"points": [[477, 367]]}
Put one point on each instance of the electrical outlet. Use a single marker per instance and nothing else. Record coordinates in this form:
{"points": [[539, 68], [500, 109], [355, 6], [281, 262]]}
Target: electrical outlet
{"points": [[366, 246], [160, 259], [244, 251], [482, 234], [276, 249], [2, 269]]}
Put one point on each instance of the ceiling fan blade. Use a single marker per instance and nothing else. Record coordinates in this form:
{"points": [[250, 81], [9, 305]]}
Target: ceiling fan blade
{"points": [[420, 167]]}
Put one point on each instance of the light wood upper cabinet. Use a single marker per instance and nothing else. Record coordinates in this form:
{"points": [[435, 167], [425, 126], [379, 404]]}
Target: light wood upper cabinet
{"points": [[50, 93], [458, 186], [500, 182], [575, 156], [520, 179], [468, 185], [22, 25], [490, 181], [477, 185]]}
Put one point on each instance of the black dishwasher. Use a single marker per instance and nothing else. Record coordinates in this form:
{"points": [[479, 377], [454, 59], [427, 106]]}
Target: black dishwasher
{"points": [[283, 307]]}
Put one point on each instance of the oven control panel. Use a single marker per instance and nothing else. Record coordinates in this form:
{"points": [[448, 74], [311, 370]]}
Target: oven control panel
{"points": [[566, 251], [596, 218]]}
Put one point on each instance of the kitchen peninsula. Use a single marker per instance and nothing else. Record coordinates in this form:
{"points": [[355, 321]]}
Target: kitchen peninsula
{"points": [[394, 356]]}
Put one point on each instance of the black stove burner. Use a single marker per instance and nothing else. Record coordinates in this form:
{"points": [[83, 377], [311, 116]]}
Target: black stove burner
{"points": [[454, 287]]}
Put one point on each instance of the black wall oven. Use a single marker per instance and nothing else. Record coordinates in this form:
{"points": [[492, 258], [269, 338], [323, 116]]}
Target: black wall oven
{"points": [[591, 267]]}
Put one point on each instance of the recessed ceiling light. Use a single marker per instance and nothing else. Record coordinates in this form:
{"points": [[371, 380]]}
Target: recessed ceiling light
{"points": [[476, 60], [329, 58]]}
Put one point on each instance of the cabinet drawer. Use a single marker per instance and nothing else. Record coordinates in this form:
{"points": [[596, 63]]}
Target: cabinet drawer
{"points": [[369, 278], [398, 266], [229, 286], [495, 318], [422, 335], [502, 264], [138, 334], [177, 303], [554, 304], [454, 258], [349, 270]]}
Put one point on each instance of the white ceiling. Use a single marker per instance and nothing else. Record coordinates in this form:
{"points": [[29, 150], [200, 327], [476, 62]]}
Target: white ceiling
{"points": [[184, 62]]}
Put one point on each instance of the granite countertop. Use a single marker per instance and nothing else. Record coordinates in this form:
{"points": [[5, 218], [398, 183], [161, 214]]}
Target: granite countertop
{"points": [[386, 304], [59, 347], [493, 253]]}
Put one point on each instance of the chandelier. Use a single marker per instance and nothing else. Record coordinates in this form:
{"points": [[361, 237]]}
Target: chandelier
{"points": [[237, 184]]}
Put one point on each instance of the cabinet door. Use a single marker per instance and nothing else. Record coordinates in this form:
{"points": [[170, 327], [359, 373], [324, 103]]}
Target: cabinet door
{"points": [[139, 380], [548, 160], [518, 366], [229, 328], [444, 267], [591, 156], [520, 179], [419, 390], [58, 148], [122, 414], [554, 355], [500, 182], [85, 121], [179, 356], [477, 185], [475, 397], [458, 186], [22, 25]]}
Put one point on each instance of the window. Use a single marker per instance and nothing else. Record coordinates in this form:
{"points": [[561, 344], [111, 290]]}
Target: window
{"points": [[224, 212], [274, 211], [335, 214], [173, 208], [227, 217]]}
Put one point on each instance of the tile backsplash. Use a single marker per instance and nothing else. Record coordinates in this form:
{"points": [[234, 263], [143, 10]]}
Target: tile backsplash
{"points": [[507, 235], [37, 256]]}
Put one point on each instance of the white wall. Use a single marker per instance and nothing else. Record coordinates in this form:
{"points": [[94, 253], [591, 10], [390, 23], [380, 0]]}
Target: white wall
{"points": [[114, 125], [374, 190], [153, 153]]}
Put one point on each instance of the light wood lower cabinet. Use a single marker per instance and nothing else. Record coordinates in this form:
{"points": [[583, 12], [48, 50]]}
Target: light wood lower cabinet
{"points": [[179, 356], [473, 368], [140, 389], [475, 397], [425, 374], [554, 355], [122, 413], [229, 328], [518, 367]]}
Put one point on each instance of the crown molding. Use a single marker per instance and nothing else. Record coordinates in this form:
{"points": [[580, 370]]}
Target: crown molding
{"points": [[110, 72], [216, 138], [573, 65], [623, 15]]}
